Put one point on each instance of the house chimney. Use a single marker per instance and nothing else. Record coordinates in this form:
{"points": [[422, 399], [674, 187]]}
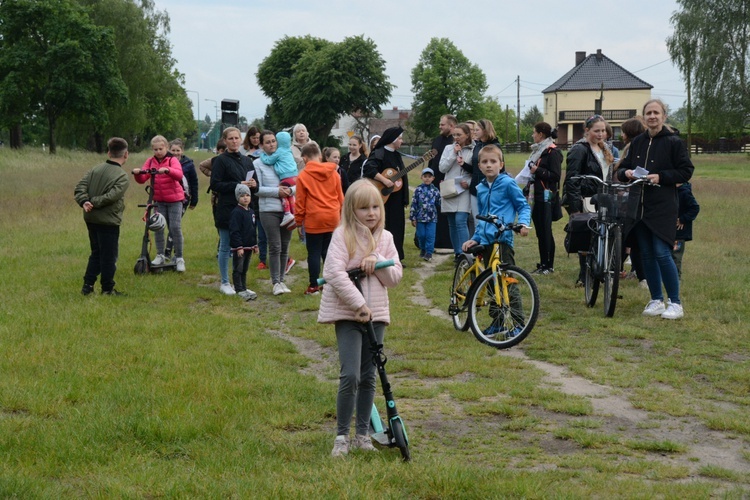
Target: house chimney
{"points": [[598, 54], [395, 108], [580, 56]]}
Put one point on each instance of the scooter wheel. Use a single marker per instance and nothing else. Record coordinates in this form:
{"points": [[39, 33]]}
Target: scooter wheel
{"points": [[399, 436], [141, 267]]}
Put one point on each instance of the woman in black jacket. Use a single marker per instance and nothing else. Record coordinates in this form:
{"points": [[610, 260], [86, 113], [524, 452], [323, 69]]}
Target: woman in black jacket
{"points": [[545, 164], [661, 152], [589, 156], [228, 170], [352, 161]]}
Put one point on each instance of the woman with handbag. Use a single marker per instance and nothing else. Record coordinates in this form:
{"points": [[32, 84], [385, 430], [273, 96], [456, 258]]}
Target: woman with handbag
{"points": [[545, 165], [588, 156], [455, 163]]}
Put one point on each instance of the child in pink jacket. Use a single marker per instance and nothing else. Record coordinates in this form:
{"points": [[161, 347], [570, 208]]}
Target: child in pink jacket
{"points": [[168, 196], [360, 241]]}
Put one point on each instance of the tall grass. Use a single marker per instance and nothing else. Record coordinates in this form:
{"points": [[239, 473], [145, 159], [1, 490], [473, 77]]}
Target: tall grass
{"points": [[175, 390]]}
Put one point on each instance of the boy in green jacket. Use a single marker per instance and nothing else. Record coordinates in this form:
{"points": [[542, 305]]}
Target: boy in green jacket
{"points": [[101, 194]]}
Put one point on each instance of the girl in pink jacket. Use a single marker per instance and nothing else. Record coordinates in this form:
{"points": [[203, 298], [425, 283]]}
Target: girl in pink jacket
{"points": [[360, 241], [168, 196]]}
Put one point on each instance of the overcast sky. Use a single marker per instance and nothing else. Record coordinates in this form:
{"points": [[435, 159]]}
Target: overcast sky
{"points": [[218, 44]]}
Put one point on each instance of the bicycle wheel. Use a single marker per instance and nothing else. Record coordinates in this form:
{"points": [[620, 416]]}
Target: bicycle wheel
{"points": [[501, 319], [590, 281], [611, 270], [458, 307]]}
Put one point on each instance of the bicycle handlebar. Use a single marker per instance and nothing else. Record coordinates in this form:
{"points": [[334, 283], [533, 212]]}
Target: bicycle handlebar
{"points": [[357, 271], [639, 180], [499, 224]]}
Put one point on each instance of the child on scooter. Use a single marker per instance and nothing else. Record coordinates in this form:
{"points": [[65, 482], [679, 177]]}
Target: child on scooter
{"points": [[360, 241], [168, 196]]}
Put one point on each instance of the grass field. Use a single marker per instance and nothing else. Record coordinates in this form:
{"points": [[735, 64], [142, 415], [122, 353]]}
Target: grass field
{"points": [[178, 391]]}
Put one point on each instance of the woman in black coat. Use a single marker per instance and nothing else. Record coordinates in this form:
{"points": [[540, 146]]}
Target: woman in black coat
{"points": [[589, 156], [661, 152], [227, 170]]}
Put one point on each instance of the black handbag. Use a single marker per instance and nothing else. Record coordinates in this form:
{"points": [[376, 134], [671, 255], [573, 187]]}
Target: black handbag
{"points": [[578, 233]]}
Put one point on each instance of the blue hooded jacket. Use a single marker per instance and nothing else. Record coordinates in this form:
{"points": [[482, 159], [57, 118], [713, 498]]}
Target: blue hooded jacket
{"points": [[283, 159], [503, 199]]}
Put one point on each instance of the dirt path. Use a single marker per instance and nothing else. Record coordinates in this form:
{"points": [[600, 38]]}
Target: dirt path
{"points": [[611, 406], [620, 416]]}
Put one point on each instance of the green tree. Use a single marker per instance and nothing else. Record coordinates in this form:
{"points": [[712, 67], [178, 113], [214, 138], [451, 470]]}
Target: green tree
{"points": [[314, 81], [158, 103], [530, 118], [444, 81], [504, 120], [711, 46], [55, 62]]}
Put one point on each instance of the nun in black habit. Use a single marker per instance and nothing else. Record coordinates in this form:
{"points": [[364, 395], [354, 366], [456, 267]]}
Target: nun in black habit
{"points": [[385, 155]]}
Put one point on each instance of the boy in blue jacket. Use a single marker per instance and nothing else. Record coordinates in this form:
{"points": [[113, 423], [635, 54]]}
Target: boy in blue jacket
{"points": [[499, 195]]}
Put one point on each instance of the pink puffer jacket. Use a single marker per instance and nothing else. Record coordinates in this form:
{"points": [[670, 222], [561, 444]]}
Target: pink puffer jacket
{"points": [[341, 299], [167, 187]]}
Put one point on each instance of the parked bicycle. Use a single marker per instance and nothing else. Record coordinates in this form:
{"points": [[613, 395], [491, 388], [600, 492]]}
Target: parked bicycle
{"points": [[500, 303], [604, 258]]}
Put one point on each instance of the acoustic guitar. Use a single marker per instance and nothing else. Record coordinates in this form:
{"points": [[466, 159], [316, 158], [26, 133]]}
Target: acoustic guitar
{"points": [[395, 175]]}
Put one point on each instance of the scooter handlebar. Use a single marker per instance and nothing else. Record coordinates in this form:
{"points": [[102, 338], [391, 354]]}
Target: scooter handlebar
{"points": [[354, 272]]}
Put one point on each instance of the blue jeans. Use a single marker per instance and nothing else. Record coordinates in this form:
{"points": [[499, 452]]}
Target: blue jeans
{"points": [[459, 229], [426, 237], [658, 264], [224, 254]]}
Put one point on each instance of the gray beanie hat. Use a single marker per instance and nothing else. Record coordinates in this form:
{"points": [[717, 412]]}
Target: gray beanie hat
{"points": [[240, 190]]}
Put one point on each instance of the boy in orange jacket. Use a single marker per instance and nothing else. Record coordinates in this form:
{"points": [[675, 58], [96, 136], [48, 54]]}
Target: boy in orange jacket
{"points": [[318, 208]]}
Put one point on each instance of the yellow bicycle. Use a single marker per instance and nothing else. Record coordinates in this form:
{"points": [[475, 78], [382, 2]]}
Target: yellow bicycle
{"points": [[500, 303]]}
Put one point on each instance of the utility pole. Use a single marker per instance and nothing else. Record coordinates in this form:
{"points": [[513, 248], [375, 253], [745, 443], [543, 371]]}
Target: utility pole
{"points": [[518, 110], [507, 123], [689, 110]]}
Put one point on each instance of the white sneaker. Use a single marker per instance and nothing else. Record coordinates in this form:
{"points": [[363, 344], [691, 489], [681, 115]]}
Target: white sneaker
{"points": [[288, 221], [643, 284], [674, 311], [180, 265], [363, 443], [278, 289], [654, 308], [285, 288], [227, 289], [247, 295], [340, 446], [159, 260]]}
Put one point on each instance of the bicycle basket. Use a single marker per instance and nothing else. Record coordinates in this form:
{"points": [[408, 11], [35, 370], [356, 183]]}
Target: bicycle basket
{"points": [[611, 207]]}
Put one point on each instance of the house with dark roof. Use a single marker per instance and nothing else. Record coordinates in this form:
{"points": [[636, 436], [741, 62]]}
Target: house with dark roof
{"points": [[596, 85]]}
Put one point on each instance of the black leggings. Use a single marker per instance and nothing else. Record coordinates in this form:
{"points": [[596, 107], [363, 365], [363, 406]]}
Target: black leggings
{"points": [[541, 215]]}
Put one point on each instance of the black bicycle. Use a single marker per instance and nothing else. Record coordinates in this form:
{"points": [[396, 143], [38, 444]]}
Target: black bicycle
{"points": [[604, 258]]}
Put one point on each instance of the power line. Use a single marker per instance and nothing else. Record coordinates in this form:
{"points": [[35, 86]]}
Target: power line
{"points": [[506, 88]]}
